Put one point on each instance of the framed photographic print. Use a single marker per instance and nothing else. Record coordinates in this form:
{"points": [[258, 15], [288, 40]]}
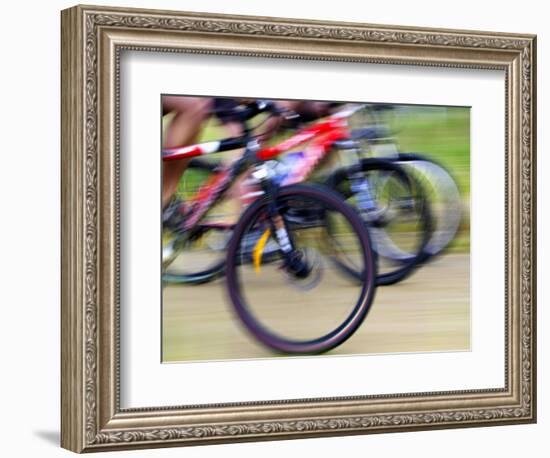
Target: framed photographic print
{"points": [[277, 228]]}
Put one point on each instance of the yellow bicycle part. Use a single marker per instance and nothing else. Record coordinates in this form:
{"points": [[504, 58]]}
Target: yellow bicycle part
{"points": [[258, 250]]}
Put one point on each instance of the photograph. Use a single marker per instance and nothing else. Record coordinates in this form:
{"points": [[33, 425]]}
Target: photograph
{"points": [[308, 227], [278, 228]]}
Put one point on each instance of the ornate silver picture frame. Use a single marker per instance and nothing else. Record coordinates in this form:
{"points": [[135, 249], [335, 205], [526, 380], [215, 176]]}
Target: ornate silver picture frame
{"points": [[93, 40]]}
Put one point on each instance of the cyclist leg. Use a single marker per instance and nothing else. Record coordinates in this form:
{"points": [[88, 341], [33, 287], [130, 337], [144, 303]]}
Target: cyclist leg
{"points": [[184, 129]]}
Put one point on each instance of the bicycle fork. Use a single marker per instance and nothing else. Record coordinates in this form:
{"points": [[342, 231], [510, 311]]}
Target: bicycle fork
{"points": [[360, 186], [295, 262]]}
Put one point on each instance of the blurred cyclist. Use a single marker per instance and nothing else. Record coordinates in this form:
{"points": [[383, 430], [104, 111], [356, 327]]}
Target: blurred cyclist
{"points": [[189, 116]]}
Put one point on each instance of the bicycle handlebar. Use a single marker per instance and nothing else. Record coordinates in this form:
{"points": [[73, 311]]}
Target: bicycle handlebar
{"points": [[245, 112]]}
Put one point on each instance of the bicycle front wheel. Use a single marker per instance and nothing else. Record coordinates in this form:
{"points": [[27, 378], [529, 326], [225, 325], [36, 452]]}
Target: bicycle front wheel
{"points": [[294, 300], [444, 196], [395, 211]]}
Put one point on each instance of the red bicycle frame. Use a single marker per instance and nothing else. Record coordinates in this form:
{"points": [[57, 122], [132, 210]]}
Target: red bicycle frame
{"points": [[334, 126], [320, 135]]}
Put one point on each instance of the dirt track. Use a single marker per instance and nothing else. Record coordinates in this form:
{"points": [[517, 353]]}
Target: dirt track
{"points": [[429, 311]]}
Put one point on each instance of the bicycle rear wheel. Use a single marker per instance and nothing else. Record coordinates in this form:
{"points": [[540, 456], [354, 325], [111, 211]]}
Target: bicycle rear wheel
{"points": [[297, 302], [199, 257]]}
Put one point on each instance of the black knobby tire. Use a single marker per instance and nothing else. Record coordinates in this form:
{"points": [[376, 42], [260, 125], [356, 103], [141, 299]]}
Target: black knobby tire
{"points": [[333, 202], [215, 269], [404, 265]]}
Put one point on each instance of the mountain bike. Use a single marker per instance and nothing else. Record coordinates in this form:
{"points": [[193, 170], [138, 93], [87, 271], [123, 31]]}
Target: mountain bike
{"points": [[396, 204], [287, 240]]}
